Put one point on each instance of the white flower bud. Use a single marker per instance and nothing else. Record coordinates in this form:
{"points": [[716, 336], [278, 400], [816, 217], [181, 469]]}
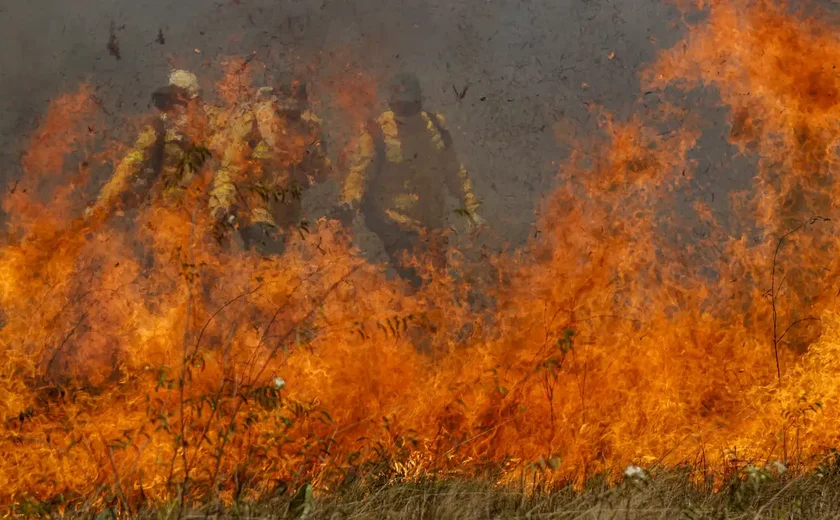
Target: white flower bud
{"points": [[635, 472]]}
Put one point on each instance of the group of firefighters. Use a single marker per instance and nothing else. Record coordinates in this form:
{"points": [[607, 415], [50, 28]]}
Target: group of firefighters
{"points": [[266, 152]]}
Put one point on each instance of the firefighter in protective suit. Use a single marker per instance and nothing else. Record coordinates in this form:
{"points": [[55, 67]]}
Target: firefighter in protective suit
{"points": [[275, 153], [164, 158], [398, 172]]}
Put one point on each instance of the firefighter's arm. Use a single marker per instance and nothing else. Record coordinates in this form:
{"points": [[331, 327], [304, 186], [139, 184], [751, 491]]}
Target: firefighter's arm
{"points": [[235, 153], [129, 167], [323, 165], [471, 203], [461, 186], [222, 193], [358, 158], [470, 200], [315, 147]]}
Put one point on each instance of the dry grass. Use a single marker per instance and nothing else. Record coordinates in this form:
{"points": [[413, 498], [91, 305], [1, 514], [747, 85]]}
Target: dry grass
{"points": [[666, 495]]}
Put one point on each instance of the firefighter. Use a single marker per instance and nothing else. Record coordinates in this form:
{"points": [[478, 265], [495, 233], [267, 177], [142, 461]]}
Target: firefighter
{"points": [[398, 172], [275, 153], [164, 158]]}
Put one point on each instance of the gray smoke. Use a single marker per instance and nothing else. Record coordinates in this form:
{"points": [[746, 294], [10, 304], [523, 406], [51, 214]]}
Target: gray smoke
{"points": [[521, 66]]}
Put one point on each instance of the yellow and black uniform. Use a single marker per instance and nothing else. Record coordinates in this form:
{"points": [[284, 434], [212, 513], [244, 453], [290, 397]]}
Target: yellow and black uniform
{"points": [[398, 172], [400, 167], [157, 162], [271, 158], [131, 182]]}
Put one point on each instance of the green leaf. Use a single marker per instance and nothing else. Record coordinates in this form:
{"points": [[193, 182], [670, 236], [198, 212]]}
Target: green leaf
{"points": [[566, 341], [301, 504]]}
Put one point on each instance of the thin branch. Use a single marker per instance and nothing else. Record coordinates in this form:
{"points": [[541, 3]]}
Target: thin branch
{"points": [[795, 323], [774, 497], [133, 468], [64, 341], [773, 294], [213, 316], [217, 406], [117, 483], [271, 355], [182, 378]]}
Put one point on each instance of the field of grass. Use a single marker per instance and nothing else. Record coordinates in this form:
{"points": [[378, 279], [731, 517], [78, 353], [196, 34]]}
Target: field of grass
{"points": [[669, 496], [752, 493]]}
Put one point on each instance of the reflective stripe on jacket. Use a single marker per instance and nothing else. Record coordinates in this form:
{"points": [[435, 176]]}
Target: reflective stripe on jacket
{"points": [[267, 162], [378, 156], [158, 152]]}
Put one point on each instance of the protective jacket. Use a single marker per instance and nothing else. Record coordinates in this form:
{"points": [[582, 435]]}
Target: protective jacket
{"points": [[400, 168], [398, 173], [268, 162], [157, 163]]}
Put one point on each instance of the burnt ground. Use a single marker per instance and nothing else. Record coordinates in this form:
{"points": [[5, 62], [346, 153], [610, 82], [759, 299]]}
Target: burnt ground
{"points": [[506, 73]]}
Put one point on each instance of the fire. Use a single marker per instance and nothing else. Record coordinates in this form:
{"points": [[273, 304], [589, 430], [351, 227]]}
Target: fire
{"points": [[155, 364], [776, 73], [69, 126]]}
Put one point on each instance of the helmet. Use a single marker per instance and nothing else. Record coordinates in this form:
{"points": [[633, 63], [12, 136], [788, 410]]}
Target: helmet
{"points": [[167, 98], [292, 97], [185, 80], [404, 94], [265, 93], [182, 87]]}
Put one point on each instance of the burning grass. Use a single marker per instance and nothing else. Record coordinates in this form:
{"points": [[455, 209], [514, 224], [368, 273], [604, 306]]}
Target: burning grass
{"points": [[154, 366], [754, 493]]}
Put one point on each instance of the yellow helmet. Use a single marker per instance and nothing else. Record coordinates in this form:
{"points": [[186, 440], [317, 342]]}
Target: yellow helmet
{"points": [[185, 80]]}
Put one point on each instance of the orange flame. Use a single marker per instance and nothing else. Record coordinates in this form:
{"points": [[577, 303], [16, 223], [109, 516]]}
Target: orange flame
{"points": [[216, 373], [69, 127]]}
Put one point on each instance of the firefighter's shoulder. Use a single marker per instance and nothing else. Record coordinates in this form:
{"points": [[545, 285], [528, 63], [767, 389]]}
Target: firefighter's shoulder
{"points": [[362, 146], [147, 136], [242, 123], [386, 118], [309, 117], [387, 126], [438, 119], [213, 113]]}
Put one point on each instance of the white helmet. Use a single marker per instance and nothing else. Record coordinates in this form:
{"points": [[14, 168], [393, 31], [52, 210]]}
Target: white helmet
{"points": [[185, 80]]}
